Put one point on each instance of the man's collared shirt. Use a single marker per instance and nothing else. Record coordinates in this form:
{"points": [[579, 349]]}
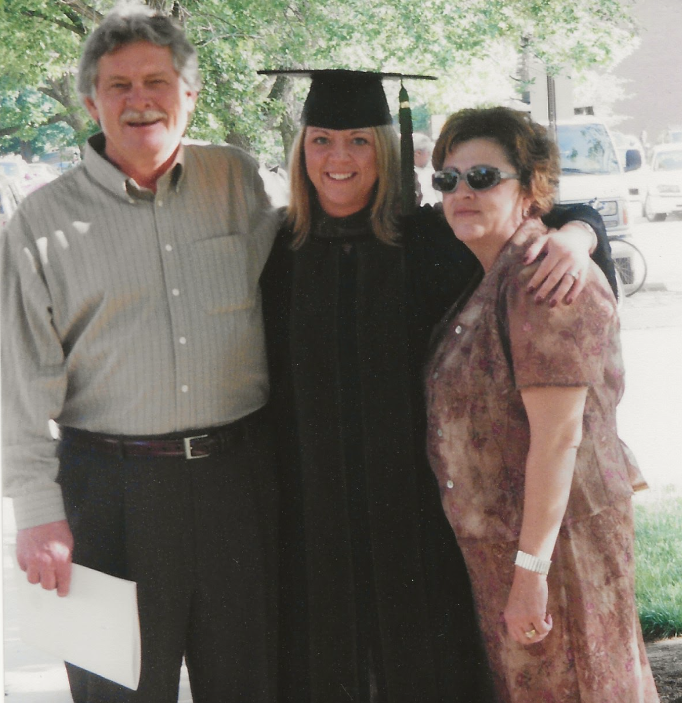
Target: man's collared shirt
{"points": [[129, 312]]}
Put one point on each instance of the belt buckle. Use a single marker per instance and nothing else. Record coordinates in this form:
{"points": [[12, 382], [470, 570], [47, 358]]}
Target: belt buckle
{"points": [[187, 441]]}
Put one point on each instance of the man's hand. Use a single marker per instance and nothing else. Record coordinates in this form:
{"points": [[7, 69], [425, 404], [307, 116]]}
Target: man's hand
{"points": [[44, 553], [562, 273]]}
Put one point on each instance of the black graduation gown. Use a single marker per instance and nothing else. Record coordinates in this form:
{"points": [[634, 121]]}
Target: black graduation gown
{"points": [[372, 579]]}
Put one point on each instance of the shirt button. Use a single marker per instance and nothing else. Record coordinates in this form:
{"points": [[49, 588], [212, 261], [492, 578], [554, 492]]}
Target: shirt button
{"points": [[440, 433], [184, 389], [169, 247], [160, 203], [176, 292], [458, 329], [435, 375], [450, 484], [183, 340]]}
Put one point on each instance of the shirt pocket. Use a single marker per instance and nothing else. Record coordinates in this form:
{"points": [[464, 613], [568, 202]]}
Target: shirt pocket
{"points": [[221, 273]]}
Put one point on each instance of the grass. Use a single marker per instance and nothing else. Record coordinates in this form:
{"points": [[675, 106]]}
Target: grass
{"points": [[658, 554]]}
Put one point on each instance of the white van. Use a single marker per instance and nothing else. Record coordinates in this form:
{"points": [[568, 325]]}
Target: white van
{"points": [[591, 171]]}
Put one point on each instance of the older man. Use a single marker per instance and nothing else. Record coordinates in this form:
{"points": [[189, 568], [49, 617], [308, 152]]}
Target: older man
{"points": [[423, 148], [131, 317]]}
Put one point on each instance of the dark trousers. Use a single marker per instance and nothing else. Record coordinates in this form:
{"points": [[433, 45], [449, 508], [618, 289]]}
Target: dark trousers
{"points": [[199, 538]]}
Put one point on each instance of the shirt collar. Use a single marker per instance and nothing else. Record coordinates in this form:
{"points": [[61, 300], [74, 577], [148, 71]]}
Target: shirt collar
{"points": [[120, 185]]}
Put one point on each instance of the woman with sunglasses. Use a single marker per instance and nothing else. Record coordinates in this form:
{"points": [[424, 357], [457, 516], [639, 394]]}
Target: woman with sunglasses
{"points": [[521, 403], [376, 603]]}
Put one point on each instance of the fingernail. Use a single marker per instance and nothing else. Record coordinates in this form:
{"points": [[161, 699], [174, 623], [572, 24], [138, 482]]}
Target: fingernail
{"points": [[531, 289], [552, 303], [569, 301]]}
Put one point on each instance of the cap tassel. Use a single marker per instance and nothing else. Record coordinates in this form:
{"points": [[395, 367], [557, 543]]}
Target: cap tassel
{"points": [[408, 195]]}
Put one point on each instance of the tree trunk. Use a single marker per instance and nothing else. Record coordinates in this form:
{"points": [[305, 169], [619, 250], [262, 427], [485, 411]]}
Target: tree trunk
{"points": [[282, 89], [26, 151], [237, 139], [64, 92]]}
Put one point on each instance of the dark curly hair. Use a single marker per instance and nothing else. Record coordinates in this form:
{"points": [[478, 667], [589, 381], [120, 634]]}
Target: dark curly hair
{"points": [[526, 144]]}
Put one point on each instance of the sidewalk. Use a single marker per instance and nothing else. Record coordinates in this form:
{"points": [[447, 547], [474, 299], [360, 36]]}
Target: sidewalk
{"points": [[31, 676]]}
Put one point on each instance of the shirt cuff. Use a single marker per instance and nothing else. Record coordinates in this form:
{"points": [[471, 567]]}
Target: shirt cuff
{"points": [[47, 505]]}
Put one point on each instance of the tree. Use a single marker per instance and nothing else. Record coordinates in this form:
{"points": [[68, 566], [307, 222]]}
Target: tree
{"points": [[235, 38], [29, 126], [38, 53]]}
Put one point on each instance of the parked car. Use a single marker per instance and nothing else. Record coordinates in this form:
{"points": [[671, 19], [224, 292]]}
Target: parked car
{"points": [[38, 175], [13, 166], [10, 195], [673, 135], [664, 190], [635, 179], [62, 160]]}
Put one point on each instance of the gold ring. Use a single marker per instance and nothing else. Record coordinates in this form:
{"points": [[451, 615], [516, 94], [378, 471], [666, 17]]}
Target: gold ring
{"points": [[531, 633]]}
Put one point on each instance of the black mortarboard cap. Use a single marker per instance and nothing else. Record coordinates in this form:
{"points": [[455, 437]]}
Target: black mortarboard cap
{"points": [[344, 99]]}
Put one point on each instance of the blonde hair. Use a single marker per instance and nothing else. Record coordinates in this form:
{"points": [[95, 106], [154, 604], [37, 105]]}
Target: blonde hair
{"points": [[385, 204], [526, 144]]}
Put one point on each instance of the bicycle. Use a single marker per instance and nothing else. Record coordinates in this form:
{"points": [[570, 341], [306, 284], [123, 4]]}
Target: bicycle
{"points": [[630, 265]]}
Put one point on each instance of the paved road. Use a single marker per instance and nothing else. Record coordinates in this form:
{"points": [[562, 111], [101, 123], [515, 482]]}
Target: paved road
{"points": [[649, 414], [648, 421], [661, 243]]}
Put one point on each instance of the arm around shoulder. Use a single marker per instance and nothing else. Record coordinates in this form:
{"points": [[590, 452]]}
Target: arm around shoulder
{"points": [[600, 250], [576, 232]]}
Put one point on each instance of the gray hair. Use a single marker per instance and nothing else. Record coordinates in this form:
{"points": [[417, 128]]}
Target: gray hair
{"points": [[129, 23]]}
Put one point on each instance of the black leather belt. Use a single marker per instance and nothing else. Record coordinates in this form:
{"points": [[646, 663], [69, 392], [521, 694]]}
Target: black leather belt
{"points": [[196, 444]]}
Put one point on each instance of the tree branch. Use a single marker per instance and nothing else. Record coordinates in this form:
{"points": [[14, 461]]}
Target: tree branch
{"points": [[82, 9], [78, 28], [52, 119]]}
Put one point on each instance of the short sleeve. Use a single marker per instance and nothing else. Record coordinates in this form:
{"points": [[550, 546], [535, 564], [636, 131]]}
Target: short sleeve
{"points": [[567, 345]]}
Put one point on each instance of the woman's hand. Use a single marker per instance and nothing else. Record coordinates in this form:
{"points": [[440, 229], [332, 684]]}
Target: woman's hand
{"points": [[555, 416], [526, 613], [562, 273]]}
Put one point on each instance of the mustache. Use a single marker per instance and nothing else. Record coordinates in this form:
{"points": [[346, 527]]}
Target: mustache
{"points": [[142, 116]]}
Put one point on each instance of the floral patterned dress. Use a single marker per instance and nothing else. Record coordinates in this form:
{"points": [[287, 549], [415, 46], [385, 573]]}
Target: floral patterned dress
{"points": [[485, 351]]}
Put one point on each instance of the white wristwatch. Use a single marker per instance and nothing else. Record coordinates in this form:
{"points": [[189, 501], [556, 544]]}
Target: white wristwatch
{"points": [[531, 563]]}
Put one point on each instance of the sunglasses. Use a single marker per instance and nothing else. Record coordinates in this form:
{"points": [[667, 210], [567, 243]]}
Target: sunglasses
{"points": [[477, 178]]}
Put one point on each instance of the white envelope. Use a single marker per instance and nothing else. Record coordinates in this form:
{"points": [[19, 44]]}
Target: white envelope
{"points": [[95, 627]]}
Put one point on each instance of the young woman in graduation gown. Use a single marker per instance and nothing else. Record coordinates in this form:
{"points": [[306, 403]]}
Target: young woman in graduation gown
{"points": [[375, 599]]}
